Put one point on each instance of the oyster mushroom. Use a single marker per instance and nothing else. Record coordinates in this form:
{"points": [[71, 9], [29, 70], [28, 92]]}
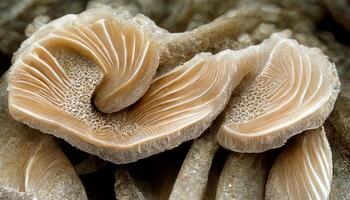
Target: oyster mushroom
{"points": [[303, 170], [32, 165], [75, 69], [290, 88], [51, 90]]}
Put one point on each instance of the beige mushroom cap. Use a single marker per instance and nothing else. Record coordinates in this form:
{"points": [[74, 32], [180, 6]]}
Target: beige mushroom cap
{"points": [[55, 76], [122, 50], [290, 88]]}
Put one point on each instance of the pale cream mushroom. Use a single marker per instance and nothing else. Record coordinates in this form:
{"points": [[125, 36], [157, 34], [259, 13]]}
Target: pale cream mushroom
{"points": [[303, 170], [32, 165], [290, 88]]}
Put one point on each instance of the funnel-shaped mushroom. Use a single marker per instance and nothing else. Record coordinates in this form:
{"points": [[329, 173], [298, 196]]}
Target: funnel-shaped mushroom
{"points": [[53, 81], [291, 88], [303, 170]]}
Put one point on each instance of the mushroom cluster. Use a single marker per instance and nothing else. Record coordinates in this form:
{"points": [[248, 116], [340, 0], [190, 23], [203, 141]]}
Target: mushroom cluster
{"points": [[91, 79]]}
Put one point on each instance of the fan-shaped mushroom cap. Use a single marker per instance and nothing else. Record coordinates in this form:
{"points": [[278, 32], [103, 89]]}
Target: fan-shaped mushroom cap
{"points": [[291, 88], [38, 168], [303, 170], [124, 53], [32, 165], [50, 89]]}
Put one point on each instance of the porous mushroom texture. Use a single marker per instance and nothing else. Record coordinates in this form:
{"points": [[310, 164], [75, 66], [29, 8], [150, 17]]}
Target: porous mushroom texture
{"points": [[303, 170], [291, 88], [125, 56], [51, 90]]}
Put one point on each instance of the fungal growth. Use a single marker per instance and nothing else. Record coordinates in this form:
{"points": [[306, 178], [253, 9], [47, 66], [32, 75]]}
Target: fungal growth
{"points": [[291, 88], [40, 169], [72, 75], [303, 170]]}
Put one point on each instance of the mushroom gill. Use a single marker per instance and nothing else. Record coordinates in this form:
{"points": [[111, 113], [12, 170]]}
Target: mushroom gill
{"points": [[52, 83], [124, 53], [38, 168], [303, 170], [291, 88], [33, 166]]}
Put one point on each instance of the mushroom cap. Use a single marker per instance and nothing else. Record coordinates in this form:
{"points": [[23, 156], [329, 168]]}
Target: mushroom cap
{"points": [[32, 165], [303, 170], [71, 61], [290, 88], [38, 168], [123, 51]]}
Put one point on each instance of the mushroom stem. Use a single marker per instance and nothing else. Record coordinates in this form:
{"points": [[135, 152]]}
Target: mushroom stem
{"points": [[243, 177], [192, 179], [125, 188]]}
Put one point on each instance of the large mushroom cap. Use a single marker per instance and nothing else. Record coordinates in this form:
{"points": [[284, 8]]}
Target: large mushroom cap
{"points": [[125, 55], [98, 57], [291, 88]]}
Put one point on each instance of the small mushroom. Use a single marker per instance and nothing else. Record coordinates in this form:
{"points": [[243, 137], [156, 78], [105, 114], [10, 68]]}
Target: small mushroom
{"points": [[303, 170], [290, 88], [32, 165]]}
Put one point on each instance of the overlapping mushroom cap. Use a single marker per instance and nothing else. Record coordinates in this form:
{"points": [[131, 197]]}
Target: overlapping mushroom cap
{"points": [[71, 61], [303, 170], [291, 88]]}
